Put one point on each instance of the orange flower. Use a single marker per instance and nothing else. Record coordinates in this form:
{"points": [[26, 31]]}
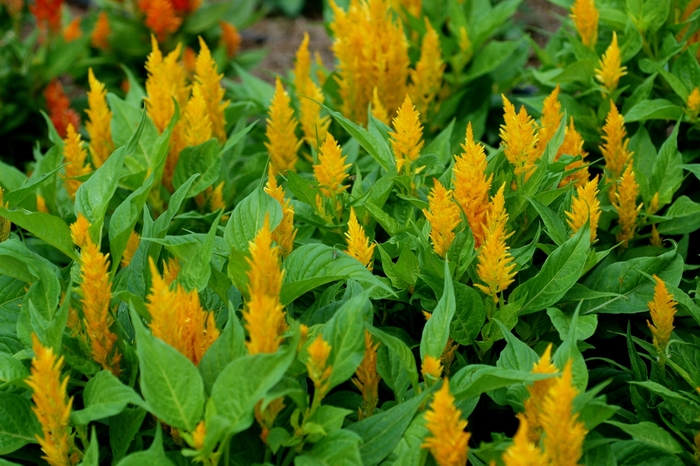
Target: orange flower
{"points": [[41, 204], [520, 140], [426, 79], [318, 368], [610, 68], [538, 391], [407, 137], [472, 185], [100, 35], [573, 145], [551, 119], [183, 7], [655, 239], [331, 167], [99, 121], [367, 379], [230, 38], [447, 440], [359, 245], [585, 16], [378, 110], [282, 142], [47, 14], [662, 309], [431, 367], [523, 452], [166, 79], [79, 231], [585, 207], [216, 197], [615, 144], [693, 103], [207, 75], [443, 216], [285, 232], [161, 17], [72, 31], [75, 156], [313, 124], [58, 105], [626, 205], [131, 246]]}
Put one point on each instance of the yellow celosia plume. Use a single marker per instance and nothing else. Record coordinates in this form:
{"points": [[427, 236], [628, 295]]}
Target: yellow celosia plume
{"points": [[79, 231], [359, 246], [330, 171], [413, 7], [282, 142], [131, 246], [99, 122], [523, 452], [378, 110], [197, 124], [407, 137], [585, 207], [538, 391], [426, 78], [615, 144], [585, 17], [447, 441], [610, 68], [443, 216], [310, 96], [52, 406], [208, 77], [318, 368], [75, 156], [166, 79], [367, 379], [551, 119], [573, 145], [283, 235], [662, 309], [626, 205], [693, 103], [520, 140], [431, 368]]}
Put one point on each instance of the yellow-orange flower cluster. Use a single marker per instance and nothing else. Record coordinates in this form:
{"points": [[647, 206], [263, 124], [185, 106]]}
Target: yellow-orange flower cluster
{"points": [[161, 17], [551, 119], [585, 17], [523, 452], [426, 78], [283, 235], [359, 245], [407, 137], [693, 103], [58, 106], [443, 216], [99, 123], [100, 34], [330, 171], [538, 391], [282, 142], [208, 77], [367, 379], [318, 368], [662, 309], [573, 145], [72, 31], [230, 38], [614, 147], [585, 207], [131, 246], [626, 205], [47, 14], [520, 140], [448, 441], [610, 68], [310, 96], [75, 156]]}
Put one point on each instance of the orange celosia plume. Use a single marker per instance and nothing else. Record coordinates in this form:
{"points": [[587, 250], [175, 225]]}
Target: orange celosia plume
{"points": [[538, 391], [75, 156], [614, 147], [131, 246], [626, 205], [662, 309], [426, 78], [443, 216], [47, 14], [282, 142], [330, 169], [573, 145], [523, 452], [359, 246], [317, 366], [99, 122], [196, 121], [551, 119], [161, 17], [585, 207], [58, 106], [447, 440], [100, 35], [693, 103], [285, 232], [230, 38], [313, 124], [72, 31], [367, 379], [208, 77], [585, 17]]}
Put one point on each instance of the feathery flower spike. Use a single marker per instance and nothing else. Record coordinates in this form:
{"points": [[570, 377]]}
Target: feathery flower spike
{"points": [[626, 205], [47, 14], [207, 75], [563, 432], [520, 139], [693, 103], [495, 264], [610, 68], [99, 121], [79, 231], [317, 366], [662, 309], [407, 137], [166, 79], [378, 110], [367, 379], [330, 170], [585, 206], [655, 239], [4, 223], [74, 154], [52, 406], [282, 142], [100, 35], [196, 121], [41, 204], [523, 452], [58, 106], [312, 124], [431, 367], [551, 119], [614, 147], [472, 185], [96, 289], [72, 31], [538, 391], [171, 269], [359, 246], [573, 145], [131, 246], [447, 440], [585, 16], [443, 216], [216, 198], [426, 78], [230, 38], [161, 17], [285, 232]]}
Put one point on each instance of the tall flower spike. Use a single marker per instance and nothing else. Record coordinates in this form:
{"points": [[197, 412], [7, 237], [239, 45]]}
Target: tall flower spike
{"points": [[207, 75], [330, 170], [585, 16], [100, 35], [522, 451], [662, 309], [72, 31], [472, 185], [573, 145], [584, 207], [655, 239], [216, 198], [426, 79], [407, 137], [161, 17], [431, 367], [317, 366], [4, 223], [230, 38], [47, 14], [131, 246], [378, 110], [52, 406], [538, 391], [367, 379], [359, 245], [166, 79], [443, 216], [313, 124], [58, 106], [263, 315], [74, 154], [610, 68], [495, 263], [563, 432], [615, 144], [282, 142], [96, 289], [520, 139], [447, 440], [693, 103], [197, 124], [99, 124], [551, 119], [626, 205], [285, 232], [79, 231]]}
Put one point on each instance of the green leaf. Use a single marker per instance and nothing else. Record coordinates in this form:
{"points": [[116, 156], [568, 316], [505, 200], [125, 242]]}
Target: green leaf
{"points": [[338, 449], [195, 272], [490, 57], [344, 332], [477, 379], [228, 347], [313, 265], [92, 454], [28, 187], [437, 330], [170, 383], [203, 159], [569, 351], [248, 218], [154, 456], [18, 425], [655, 109], [11, 368], [104, 396], [585, 327], [559, 273], [124, 220], [516, 355], [637, 453], [304, 190], [381, 432], [47, 227], [683, 217], [402, 352], [668, 169], [554, 226], [651, 434], [469, 316], [122, 429]]}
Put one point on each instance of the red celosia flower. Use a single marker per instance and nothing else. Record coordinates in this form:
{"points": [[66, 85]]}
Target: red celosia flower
{"points": [[59, 109], [47, 14]]}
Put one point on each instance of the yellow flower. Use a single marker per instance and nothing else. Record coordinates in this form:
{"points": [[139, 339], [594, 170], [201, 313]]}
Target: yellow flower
{"points": [[447, 440], [171, 269], [693, 103], [378, 110], [523, 452], [426, 79], [551, 119], [413, 7], [538, 391], [367, 379], [662, 309], [75, 156], [196, 121], [655, 239], [131, 246], [263, 315], [177, 318], [584, 207], [284, 234], [472, 185], [653, 204], [610, 68], [4, 223], [626, 205], [359, 245], [166, 79], [431, 367], [331, 167], [281, 124], [207, 76], [317, 366], [495, 264], [407, 137], [96, 289], [313, 124], [79, 231], [216, 198], [573, 145], [199, 435], [99, 123], [443, 216], [563, 432], [41, 204], [614, 148], [52, 406], [520, 139], [585, 16]]}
